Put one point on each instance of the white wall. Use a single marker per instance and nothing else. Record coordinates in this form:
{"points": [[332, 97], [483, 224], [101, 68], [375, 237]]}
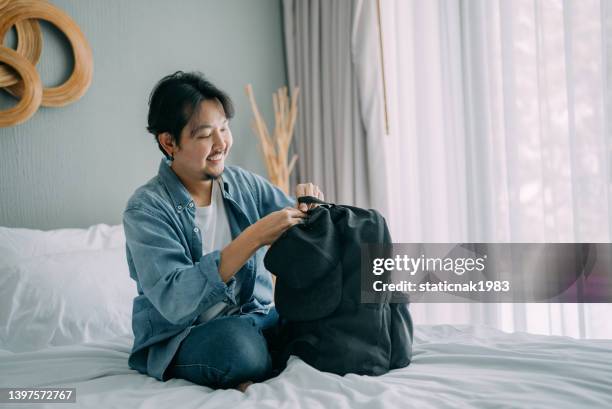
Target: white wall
{"points": [[77, 165]]}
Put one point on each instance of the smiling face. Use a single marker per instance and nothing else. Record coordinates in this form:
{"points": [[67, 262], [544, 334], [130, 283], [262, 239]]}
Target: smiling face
{"points": [[204, 143]]}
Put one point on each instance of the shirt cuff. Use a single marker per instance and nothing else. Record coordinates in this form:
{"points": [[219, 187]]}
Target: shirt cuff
{"points": [[219, 291], [230, 292]]}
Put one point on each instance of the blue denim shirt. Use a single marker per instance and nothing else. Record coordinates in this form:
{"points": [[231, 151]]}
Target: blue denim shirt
{"points": [[175, 281]]}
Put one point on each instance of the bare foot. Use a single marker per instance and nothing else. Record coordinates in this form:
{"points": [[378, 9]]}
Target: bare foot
{"points": [[244, 385]]}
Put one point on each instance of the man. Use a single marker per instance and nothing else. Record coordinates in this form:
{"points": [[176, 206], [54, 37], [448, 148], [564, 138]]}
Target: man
{"points": [[195, 240]]}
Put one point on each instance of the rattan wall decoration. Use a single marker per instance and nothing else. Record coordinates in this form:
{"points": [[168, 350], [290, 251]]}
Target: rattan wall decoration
{"points": [[17, 80], [32, 88]]}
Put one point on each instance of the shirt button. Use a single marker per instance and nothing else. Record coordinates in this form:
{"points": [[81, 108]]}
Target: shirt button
{"points": [[195, 229], [179, 208], [191, 204]]}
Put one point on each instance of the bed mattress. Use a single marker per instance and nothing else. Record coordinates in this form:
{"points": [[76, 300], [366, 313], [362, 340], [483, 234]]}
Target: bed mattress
{"points": [[453, 367]]}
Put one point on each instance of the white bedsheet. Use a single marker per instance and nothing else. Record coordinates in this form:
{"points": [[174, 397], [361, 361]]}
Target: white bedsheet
{"points": [[453, 367]]}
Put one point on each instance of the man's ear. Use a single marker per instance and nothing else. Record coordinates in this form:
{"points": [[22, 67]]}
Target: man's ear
{"points": [[166, 141]]}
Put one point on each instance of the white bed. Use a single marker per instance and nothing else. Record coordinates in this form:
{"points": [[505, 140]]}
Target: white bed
{"points": [[453, 367], [65, 310]]}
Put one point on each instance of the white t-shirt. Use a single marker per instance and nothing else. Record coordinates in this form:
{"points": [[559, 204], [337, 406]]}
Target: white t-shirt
{"points": [[214, 227]]}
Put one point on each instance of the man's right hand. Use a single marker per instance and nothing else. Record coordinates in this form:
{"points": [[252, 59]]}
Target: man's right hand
{"points": [[269, 228], [262, 233]]}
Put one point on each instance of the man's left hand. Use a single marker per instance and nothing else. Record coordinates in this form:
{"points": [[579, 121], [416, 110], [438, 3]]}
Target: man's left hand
{"points": [[307, 189]]}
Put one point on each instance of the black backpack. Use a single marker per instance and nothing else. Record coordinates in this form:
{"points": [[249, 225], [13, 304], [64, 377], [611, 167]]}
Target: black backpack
{"points": [[318, 290]]}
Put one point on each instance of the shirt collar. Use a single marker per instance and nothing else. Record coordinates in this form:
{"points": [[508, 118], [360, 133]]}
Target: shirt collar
{"points": [[181, 198]]}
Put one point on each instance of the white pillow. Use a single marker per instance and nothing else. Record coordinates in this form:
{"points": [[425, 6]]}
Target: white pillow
{"points": [[63, 287], [17, 244]]}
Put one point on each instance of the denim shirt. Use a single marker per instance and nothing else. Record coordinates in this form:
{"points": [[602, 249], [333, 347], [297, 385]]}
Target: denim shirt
{"points": [[175, 281]]}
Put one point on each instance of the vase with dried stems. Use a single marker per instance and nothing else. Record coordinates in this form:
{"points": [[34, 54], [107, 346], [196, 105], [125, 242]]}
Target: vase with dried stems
{"points": [[275, 148]]}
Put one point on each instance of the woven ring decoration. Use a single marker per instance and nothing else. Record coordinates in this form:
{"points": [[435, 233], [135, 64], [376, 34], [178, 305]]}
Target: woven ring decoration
{"points": [[29, 44], [80, 79], [32, 91]]}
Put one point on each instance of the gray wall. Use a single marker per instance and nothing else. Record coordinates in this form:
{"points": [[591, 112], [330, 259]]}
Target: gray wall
{"points": [[77, 165]]}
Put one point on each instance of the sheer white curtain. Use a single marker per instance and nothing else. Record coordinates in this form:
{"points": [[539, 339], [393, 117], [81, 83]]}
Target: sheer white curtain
{"points": [[499, 132]]}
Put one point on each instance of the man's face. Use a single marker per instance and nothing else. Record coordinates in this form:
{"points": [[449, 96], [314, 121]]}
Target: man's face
{"points": [[204, 143]]}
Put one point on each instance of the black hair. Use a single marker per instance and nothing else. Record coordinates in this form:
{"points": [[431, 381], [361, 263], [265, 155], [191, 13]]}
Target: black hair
{"points": [[175, 98]]}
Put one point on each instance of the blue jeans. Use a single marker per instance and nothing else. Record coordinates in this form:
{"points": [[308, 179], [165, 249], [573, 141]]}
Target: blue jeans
{"points": [[239, 347]]}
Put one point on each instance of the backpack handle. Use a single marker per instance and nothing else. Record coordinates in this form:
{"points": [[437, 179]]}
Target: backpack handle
{"points": [[311, 199]]}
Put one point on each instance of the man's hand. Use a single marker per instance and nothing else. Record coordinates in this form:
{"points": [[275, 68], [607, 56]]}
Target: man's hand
{"points": [[269, 228], [307, 189], [262, 233]]}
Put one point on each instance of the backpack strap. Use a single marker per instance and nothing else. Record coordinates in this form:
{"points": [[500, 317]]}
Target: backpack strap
{"points": [[311, 199]]}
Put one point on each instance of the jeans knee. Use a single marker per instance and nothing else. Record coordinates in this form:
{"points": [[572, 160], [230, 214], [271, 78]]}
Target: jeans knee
{"points": [[254, 368], [249, 360], [224, 353]]}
